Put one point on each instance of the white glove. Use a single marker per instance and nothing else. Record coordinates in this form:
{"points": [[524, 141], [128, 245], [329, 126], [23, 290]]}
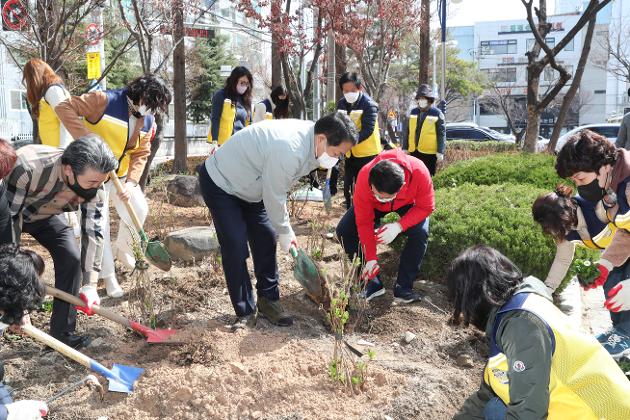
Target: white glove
{"points": [[387, 233], [26, 410], [440, 157], [370, 270], [89, 295], [287, 240], [619, 297]]}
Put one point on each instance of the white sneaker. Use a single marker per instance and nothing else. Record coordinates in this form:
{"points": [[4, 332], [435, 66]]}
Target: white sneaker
{"points": [[113, 288]]}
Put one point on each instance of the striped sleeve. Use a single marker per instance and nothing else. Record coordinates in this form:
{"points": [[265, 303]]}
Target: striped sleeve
{"points": [[18, 184], [92, 235]]}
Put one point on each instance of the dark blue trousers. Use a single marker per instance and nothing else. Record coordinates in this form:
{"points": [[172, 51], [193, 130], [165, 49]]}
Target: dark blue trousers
{"points": [[238, 223], [410, 258]]}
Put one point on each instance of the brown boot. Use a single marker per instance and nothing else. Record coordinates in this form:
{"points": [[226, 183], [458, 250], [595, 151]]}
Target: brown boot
{"points": [[273, 311]]}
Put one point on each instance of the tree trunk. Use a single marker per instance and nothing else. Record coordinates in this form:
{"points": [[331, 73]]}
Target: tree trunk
{"points": [[155, 145], [276, 63], [341, 66], [577, 80], [293, 88], [425, 41], [179, 89]]}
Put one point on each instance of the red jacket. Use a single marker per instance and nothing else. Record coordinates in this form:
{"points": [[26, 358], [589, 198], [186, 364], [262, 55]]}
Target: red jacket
{"points": [[417, 190]]}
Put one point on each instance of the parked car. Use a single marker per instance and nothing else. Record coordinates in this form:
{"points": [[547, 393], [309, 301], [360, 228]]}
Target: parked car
{"points": [[474, 132], [608, 130]]}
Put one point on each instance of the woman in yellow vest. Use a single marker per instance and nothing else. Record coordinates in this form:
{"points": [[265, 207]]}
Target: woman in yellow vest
{"points": [[424, 136], [231, 106], [44, 92], [540, 364], [275, 107], [364, 112]]}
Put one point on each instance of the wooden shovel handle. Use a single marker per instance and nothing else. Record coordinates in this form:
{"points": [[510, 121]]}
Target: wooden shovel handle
{"points": [[132, 213], [55, 344], [73, 300], [328, 174]]}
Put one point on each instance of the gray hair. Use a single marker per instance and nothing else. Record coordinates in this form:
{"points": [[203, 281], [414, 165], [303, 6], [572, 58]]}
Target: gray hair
{"points": [[89, 152]]}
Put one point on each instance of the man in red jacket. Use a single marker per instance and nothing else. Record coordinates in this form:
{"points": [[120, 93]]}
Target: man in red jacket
{"points": [[392, 182]]}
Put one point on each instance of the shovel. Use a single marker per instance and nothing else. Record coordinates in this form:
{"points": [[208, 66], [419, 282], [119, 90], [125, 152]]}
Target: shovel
{"points": [[153, 336], [155, 252], [121, 378], [326, 193], [309, 276]]}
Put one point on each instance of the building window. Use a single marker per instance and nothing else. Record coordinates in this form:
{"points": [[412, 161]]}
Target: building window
{"points": [[505, 46], [550, 41], [18, 100], [551, 74], [501, 75], [569, 46]]}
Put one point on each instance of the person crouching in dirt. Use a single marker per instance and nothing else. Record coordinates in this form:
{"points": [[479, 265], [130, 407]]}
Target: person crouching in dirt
{"points": [[20, 291], [45, 183], [392, 182], [541, 365], [245, 185]]}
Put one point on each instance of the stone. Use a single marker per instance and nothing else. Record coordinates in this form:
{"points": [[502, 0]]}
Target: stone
{"points": [[191, 244], [365, 343], [237, 368], [409, 337], [464, 360], [183, 191]]}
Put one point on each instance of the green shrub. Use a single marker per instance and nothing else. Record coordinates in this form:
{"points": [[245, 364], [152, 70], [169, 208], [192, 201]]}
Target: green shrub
{"points": [[495, 215], [535, 170], [480, 146]]}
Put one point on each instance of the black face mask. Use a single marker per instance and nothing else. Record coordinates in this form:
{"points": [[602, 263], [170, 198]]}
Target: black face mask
{"points": [[86, 193], [591, 191]]}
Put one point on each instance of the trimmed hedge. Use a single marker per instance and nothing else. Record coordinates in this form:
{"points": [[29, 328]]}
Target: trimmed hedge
{"points": [[495, 215], [535, 170], [481, 146]]}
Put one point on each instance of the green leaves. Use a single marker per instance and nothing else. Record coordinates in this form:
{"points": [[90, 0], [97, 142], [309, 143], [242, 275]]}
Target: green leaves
{"points": [[585, 270]]}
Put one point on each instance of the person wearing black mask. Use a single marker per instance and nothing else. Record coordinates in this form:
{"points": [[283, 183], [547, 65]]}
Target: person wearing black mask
{"points": [[602, 175], [275, 107], [46, 182]]}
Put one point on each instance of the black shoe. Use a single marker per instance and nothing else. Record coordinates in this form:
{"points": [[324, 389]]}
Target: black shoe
{"points": [[74, 340], [247, 321], [374, 288], [408, 296], [273, 312]]}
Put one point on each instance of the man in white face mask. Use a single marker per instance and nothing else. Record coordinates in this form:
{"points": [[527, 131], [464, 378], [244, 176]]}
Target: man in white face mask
{"points": [[424, 136], [364, 113], [245, 185], [392, 182]]}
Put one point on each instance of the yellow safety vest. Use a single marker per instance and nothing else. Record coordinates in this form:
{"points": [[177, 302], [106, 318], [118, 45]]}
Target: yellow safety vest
{"points": [[226, 123], [368, 147], [115, 133], [428, 135], [48, 125], [585, 382]]}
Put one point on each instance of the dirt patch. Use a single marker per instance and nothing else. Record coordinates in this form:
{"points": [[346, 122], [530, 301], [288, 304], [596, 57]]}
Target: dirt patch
{"points": [[265, 373]]}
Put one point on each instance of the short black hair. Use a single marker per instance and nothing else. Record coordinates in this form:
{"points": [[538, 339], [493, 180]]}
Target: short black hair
{"points": [[479, 280], [556, 212], [20, 287], [585, 151], [153, 93], [387, 177], [89, 151], [351, 77], [338, 128]]}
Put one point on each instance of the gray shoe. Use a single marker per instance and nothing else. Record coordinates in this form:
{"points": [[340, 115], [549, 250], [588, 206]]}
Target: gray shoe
{"points": [[273, 311], [247, 321]]}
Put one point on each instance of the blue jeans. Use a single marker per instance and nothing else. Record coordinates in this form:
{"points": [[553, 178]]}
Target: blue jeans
{"points": [[411, 256], [495, 409], [620, 320]]}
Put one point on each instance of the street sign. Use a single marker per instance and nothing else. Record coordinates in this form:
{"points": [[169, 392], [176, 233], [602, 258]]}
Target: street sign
{"points": [[93, 65], [93, 34], [14, 15]]}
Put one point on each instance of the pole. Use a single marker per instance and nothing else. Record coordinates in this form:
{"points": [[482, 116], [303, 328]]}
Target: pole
{"points": [[435, 47], [443, 25], [331, 80], [101, 42]]}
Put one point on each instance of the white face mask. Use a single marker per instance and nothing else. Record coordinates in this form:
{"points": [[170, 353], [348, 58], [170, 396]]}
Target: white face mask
{"points": [[241, 89], [423, 103], [144, 111], [326, 161], [351, 97], [384, 200]]}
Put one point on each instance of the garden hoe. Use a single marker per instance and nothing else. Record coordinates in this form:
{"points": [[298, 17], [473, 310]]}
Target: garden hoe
{"points": [[89, 380], [326, 193], [154, 251], [121, 378], [153, 336], [309, 276]]}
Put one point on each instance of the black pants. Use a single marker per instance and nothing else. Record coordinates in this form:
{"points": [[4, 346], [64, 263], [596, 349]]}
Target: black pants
{"points": [[6, 230], [57, 237], [430, 161], [410, 258], [238, 223], [352, 166]]}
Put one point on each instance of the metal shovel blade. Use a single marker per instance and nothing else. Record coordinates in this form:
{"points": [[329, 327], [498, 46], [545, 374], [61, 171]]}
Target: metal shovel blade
{"points": [[158, 256], [121, 378], [308, 275], [327, 197], [154, 336]]}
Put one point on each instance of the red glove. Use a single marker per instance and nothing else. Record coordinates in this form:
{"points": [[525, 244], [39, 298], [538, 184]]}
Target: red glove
{"points": [[599, 281], [370, 270], [89, 295]]}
